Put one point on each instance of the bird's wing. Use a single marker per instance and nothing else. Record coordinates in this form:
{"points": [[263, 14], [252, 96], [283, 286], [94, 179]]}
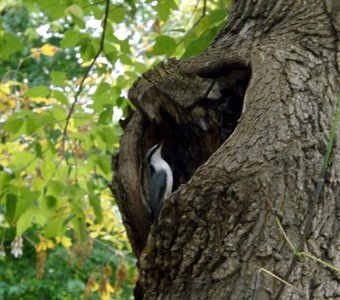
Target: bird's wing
{"points": [[157, 186]]}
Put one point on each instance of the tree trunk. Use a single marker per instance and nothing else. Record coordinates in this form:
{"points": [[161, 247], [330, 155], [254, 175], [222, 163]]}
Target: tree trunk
{"points": [[245, 129]]}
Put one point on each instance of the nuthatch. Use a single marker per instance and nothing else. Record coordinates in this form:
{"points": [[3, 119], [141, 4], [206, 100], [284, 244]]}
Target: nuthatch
{"points": [[160, 179]]}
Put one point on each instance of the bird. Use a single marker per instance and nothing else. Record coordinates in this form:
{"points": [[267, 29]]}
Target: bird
{"points": [[160, 179]]}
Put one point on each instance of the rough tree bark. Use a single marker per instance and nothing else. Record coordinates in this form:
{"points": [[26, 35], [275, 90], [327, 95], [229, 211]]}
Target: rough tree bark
{"points": [[245, 129]]}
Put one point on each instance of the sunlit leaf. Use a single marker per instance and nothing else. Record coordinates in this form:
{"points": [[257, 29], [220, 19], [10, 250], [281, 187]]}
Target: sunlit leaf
{"points": [[65, 241], [60, 96], [38, 91], [54, 190], [25, 199], [33, 123], [23, 159], [95, 203], [58, 78], [49, 50], [5, 89], [164, 8], [165, 45], [24, 221], [53, 227], [13, 123], [117, 14], [104, 164], [11, 204], [74, 9], [71, 39], [9, 44], [4, 180]]}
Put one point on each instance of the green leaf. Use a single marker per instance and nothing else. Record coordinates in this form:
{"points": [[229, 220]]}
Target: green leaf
{"points": [[25, 199], [33, 123], [11, 204], [55, 9], [103, 97], [117, 14], [60, 97], [108, 134], [54, 189], [165, 45], [75, 10], [217, 15], [37, 149], [13, 123], [87, 51], [38, 91], [125, 46], [140, 67], [25, 221], [53, 227], [106, 115], [59, 114], [164, 8], [126, 60], [110, 52], [51, 202], [104, 164], [71, 39], [197, 46], [9, 44], [22, 159], [95, 203], [4, 180], [80, 227], [58, 78]]}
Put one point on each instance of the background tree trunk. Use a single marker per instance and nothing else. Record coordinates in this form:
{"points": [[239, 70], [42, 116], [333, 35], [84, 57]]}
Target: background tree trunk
{"points": [[273, 72]]}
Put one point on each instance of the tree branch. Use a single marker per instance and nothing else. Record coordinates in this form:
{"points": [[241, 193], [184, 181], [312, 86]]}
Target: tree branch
{"points": [[80, 88]]}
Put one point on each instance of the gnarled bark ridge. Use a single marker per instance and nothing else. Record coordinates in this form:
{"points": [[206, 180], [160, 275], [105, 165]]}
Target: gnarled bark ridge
{"points": [[246, 126]]}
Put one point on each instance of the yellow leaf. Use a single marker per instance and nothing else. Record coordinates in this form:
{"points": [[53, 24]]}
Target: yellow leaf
{"points": [[66, 242], [44, 244], [12, 82], [36, 52], [106, 290], [49, 50], [39, 100], [40, 247], [94, 286], [3, 107], [104, 296], [109, 288], [49, 244], [11, 103], [5, 89]]}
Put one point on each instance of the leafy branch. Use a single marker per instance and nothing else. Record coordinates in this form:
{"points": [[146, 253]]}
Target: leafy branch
{"points": [[81, 85]]}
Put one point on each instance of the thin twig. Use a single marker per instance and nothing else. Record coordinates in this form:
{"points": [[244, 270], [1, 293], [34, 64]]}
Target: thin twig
{"points": [[80, 88], [286, 236], [320, 261], [280, 279], [91, 4], [204, 11], [112, 250]]}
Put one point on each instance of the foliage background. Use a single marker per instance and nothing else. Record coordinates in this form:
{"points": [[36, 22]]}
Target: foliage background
{"points": [[62, 91]]}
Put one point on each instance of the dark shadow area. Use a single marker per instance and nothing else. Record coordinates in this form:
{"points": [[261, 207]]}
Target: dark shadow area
{"points": [[203, 127]]}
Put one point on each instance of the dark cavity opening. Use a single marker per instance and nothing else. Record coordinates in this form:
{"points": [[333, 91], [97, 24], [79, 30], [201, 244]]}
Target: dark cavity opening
{"points": [[204, 126]]}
